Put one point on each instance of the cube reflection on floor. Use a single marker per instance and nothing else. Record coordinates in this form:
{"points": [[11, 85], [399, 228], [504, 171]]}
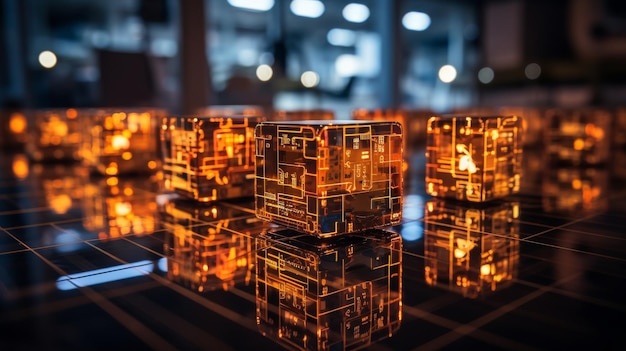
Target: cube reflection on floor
{"points": [[209, 158], [329, 178], [471, 250], [120, 141], [473, 158], [341, 293]]}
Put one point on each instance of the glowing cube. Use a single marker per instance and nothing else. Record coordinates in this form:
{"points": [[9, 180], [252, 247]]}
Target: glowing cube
{"points": [[209, 247], [55, 135], [473, 158], [121, 141], [577, 137], [342, 293], [575, 190], [471, 250], [209, 158], [329, 178]]}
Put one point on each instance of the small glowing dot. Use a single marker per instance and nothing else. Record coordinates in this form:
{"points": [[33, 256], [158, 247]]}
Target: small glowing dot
{"points": [[47, 59], [264, 73], [127, 155], [20, 166], [576, 184], [532, 71], [112, 181], [447, 73], [485, 75], [579, 144], [71, 113], [152, 164], [310, 79], [119, 142], [17, 123], [128, 191], [485, 269], [355, 13]]}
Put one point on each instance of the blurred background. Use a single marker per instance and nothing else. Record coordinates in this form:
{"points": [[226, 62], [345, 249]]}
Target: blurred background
{"points": [[439, 55]]}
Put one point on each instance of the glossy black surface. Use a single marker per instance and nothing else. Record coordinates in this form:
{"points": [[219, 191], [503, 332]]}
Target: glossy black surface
{"points": [[56, 221]]}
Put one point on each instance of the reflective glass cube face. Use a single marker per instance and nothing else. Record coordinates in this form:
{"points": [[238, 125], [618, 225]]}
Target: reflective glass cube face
{"points": [[473, 158], [327, 179], [121, 141], [209, 158], [578, 137], [471, 250], [55, 135], [341, 293]]}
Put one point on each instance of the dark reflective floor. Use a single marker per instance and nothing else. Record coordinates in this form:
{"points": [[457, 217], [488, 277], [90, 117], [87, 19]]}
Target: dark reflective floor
{"points": [[90, 265]]}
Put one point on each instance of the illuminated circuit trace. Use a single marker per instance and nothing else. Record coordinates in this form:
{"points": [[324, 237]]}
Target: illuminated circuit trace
{"points": [[471, 250], [209, 158], [329, 178], [338, 294], [473, 158], [209, 247], [120, 142]]}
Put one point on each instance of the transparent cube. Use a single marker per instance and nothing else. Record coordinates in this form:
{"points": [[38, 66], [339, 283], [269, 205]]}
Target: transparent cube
{"points": [[473, 158], [55, 135], [329, 178], [578, 137], [121, 141], [209, 158], [341, 293]]}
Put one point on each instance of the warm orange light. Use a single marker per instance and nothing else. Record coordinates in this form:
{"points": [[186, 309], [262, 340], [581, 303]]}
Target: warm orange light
{"points": [[123, 208], [61, 204], [71, 113], [120, 142], [20, 166], [17, 123]]}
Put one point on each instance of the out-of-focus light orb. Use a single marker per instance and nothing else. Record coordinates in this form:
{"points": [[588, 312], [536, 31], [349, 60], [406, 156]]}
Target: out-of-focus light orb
{"points": [[356, 13], [47, 59], [447, 73], [341, 37], [264, 73], [307, 8], [347, 65], [417, 21], [20, 166], [532, 71], [120, 142], [17, 123], [310, 79], [486, 75], [253, 5]]}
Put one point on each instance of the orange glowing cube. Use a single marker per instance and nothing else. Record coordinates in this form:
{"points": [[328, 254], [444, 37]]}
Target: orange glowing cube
{"points": [[121, 141], [471, 250], [342, 293], [55, 135], [329, 178], [473, 158], [577, 137], [209, 158]]}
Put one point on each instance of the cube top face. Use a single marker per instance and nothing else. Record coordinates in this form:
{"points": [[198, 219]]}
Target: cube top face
{"points": [[471, 250], [121, 141], [303, 115], [55, 135], [475, 159], [327, 179], [340, 293], [209, 158], [578, 137], [209, 247]]}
